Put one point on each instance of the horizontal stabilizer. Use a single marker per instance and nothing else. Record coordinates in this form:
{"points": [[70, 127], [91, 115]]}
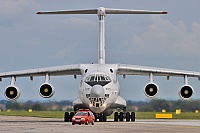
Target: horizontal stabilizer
{"points": [[106, 11]]}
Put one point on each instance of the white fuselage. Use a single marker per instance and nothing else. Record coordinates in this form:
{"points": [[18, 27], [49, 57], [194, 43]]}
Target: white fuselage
{"points": [[99, 87]]}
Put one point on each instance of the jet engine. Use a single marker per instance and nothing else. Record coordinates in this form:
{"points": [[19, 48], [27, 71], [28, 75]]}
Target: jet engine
{"points": [[46, 90], [186, 92], [12, 92], [151, 89]]}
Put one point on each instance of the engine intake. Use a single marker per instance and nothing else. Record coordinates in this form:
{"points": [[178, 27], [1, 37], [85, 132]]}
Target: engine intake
{"points": [[46, 90], [186, 92], [12, 93], [151, 89]]}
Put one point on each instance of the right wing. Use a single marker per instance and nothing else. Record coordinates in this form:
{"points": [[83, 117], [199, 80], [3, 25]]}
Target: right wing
{"points": [[124, 69]]}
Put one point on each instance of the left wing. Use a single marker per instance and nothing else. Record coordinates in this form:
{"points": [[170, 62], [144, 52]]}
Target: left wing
{"points": [[46, 90], [52, 71], [124, 69]]}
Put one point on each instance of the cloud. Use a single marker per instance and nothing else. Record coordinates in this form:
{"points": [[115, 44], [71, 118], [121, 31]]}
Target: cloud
{"points": [[164, 37], [11, 8]]}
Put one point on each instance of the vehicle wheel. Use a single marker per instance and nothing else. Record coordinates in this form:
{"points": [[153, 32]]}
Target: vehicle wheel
{"points": [[132, 116], [116, 116], [93, 122], [121, 116], [86, 123], [66, 118], [79, 123], [72, 123], [128, 116]]}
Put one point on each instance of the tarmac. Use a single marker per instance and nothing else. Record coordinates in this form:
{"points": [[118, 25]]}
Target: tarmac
{"points": [[10, 124]]}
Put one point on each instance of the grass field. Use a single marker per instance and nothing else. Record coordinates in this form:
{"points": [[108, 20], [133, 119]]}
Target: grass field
{"points": [[60, 114]]}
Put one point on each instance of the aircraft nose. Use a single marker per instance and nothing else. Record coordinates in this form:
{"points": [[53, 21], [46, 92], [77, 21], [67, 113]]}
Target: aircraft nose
{"points": [[97, 91]]}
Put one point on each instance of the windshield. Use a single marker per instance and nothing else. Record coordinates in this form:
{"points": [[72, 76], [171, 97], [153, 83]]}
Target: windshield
{"points": [[97, 78], [81, 114]]}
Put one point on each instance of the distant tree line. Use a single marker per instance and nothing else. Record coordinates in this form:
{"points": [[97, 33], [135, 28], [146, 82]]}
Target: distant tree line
{"points": [[37, 106], [155, 105], [158, 105]]}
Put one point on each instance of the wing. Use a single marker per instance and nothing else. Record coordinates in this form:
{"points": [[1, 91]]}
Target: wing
{"points": [[124, 69], [52, 71]]}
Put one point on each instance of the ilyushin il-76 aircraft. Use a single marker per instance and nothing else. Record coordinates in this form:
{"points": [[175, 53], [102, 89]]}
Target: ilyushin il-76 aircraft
{"points": [[99, 89]]}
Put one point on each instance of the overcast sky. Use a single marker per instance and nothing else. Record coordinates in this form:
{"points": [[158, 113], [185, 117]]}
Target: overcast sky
{"points": [[31, 41]]}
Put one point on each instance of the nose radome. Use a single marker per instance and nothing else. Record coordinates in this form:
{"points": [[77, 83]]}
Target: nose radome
{"points": [[97, 91]]}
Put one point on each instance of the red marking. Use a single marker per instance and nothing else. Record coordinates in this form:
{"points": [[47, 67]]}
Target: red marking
{"points": [[164, 12]]}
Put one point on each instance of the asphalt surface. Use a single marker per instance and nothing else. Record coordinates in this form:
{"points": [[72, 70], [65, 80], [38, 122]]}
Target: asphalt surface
{"points": [[10, 124]]}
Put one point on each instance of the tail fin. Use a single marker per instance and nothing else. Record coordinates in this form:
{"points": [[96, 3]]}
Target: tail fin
{"points": [[101, 12]]}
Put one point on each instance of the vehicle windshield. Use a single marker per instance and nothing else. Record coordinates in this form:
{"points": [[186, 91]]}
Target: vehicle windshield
{"points": [[81, 114]]}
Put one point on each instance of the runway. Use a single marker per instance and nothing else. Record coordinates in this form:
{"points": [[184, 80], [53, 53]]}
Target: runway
{"points": [[10, 124]]}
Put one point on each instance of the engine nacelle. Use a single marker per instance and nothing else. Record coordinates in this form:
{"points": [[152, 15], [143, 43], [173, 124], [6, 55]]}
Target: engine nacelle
{"points": [[151, 89], [12, 93], [46, 90], [186, 92]]}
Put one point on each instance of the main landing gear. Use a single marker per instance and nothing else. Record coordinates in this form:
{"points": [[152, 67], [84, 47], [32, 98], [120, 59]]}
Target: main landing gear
{"points": [[100, 117], [118, 116], [129, 116], [68, 116]]}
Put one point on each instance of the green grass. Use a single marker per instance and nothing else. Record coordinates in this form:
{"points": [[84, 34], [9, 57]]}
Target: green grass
{"points": [[43, 114], [60, 114], [183, 115]]}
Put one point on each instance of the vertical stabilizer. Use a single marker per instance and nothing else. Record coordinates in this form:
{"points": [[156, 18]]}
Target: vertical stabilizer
{"points": [[101, 12]]}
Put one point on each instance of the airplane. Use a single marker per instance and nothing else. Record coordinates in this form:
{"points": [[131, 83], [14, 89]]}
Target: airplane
{"points": [[99, 89]]}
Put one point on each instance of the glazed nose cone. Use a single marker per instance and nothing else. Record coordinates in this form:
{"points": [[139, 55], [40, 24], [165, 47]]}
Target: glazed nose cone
{"points": [[97, 91]]}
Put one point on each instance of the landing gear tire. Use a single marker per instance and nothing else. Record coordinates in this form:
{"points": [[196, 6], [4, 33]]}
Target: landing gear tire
{"points": [[66, 118], [121, 116], [93, 122], [101, 118], [70, 116], [128, 116], [116, 116], [132, 116], [95, 116], [104, 118]]}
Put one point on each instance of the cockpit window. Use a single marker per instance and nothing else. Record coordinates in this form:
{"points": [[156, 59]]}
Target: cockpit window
{"points": [[101, 79]]}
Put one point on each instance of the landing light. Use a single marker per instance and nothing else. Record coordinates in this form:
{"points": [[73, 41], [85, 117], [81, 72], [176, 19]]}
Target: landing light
{"points": [[90, 105], [104, 105]]}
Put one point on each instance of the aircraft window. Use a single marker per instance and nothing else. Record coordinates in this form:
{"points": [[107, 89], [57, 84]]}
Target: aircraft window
{"points": [[102, 78], [92, 78], [107, 78], [88, 78], [86, 70], [96, 78], [111, 70]]}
